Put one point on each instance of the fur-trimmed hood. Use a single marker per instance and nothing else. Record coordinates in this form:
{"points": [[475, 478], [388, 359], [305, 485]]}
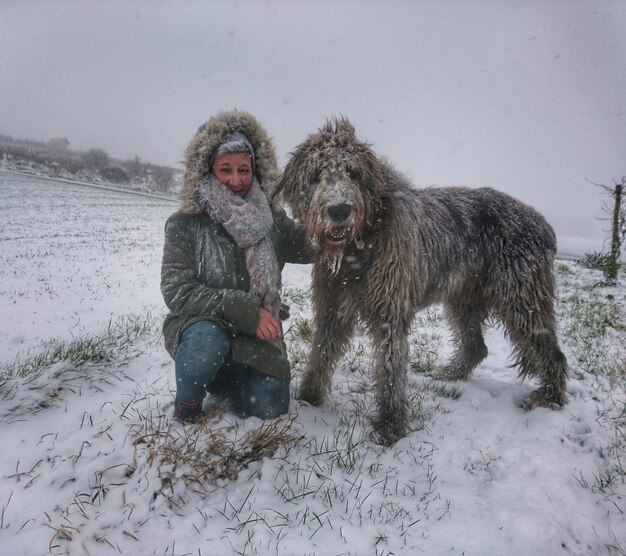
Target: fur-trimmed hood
{"points": [[209, 137]]}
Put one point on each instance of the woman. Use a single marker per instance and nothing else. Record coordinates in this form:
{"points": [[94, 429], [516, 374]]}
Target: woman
{"points": [[220, 276]]}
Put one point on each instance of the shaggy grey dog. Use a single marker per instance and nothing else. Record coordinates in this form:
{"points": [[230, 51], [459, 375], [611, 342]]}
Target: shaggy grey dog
{"points": [[388, 250]]}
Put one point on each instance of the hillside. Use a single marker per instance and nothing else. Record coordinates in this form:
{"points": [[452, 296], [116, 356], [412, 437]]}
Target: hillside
{"points": [[93, 166]]}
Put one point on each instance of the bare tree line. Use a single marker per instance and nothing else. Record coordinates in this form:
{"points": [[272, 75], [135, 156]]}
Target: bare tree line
{"points": [[98, 161]]}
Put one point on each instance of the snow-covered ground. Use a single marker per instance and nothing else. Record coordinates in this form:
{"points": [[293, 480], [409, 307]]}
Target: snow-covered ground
{"points": [[92, 464]]}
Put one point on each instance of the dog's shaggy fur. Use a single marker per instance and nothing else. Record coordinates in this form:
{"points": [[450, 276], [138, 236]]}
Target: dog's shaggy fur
{"points": [[388, 250]]}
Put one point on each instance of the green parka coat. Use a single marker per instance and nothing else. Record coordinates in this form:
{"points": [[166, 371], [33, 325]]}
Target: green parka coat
{"points": [[203, 273]]}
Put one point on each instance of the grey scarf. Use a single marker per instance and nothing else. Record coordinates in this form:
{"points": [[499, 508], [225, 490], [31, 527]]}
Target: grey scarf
{"points": [[248, 221]]}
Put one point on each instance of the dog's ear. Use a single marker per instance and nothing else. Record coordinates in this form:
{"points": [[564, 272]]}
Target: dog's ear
{"points": [[373, 174], [294, 178], [288, 178]]}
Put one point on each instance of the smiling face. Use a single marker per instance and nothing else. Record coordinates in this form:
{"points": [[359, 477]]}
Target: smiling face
{"points": [[235, 171]]}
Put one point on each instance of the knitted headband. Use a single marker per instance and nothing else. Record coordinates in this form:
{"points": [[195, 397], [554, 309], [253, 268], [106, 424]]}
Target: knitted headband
{"points": [[233, 143]]}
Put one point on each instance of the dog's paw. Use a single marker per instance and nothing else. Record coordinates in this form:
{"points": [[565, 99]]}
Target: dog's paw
{"points": [[387, 433], [537, 398], [311, 396]]}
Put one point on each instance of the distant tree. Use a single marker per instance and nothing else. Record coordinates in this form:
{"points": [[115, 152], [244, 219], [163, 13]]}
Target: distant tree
{"points": [[609, 262], [96, 159], [135, 167], [163, 177]]}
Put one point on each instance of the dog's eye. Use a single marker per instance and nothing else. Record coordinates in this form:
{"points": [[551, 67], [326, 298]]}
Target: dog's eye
{"points": [[315, 175], [354, 174]]}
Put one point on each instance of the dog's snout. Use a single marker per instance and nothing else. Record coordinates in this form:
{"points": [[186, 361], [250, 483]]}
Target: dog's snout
{"points": [[339, 213]]}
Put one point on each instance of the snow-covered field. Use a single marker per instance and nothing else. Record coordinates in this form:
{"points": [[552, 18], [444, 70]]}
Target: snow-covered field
{"points": [[92, 464]]}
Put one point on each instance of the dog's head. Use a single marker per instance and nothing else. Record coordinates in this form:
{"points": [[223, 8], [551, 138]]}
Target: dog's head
{"points": [[334, 184]]}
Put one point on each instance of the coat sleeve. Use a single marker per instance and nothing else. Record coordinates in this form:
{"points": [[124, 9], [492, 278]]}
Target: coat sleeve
{"points": [[293, 245], [185, 295]]}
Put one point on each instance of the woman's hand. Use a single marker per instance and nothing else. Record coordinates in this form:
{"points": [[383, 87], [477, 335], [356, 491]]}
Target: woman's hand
{"points": [[269, 327]]}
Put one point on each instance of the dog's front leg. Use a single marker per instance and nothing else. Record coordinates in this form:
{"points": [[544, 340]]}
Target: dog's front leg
{"points": [[334, 325], [390, 379]]}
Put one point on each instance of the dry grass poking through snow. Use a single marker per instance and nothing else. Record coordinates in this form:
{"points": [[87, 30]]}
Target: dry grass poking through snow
{"points": [[594, 326], [133, 477], [203, 454]]}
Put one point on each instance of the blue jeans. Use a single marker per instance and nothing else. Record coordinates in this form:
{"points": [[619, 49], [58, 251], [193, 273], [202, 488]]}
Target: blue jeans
{"points": [[203, 363]]}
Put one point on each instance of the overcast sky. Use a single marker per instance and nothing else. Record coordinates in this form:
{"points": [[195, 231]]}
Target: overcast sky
{"points": [[525, 96]]}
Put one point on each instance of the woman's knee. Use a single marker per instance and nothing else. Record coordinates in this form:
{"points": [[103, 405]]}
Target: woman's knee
{"points": [[204, 340], [202, 350], [206, 332]]}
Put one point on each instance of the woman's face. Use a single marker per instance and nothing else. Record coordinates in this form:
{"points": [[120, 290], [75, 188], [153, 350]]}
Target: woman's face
{"points": [[235, 171]]}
